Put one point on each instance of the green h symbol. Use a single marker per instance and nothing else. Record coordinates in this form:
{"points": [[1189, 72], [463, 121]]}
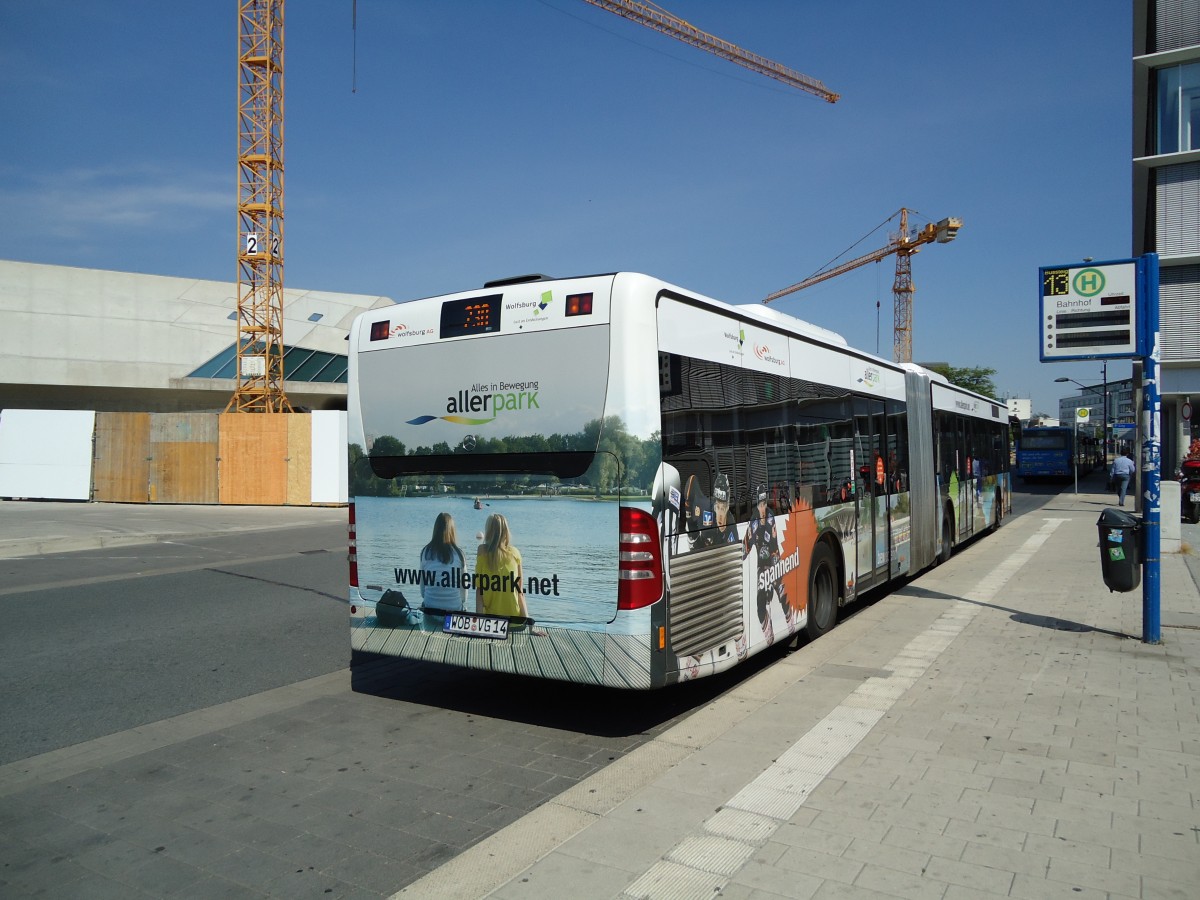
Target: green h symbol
{"points": [[1089, 282]]}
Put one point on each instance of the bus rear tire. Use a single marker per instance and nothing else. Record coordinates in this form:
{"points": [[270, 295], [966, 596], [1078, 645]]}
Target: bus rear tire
{"points": [[822, 592]]}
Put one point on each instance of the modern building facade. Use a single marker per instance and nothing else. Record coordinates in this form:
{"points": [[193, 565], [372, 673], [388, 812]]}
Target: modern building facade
{"points": [[1166, 198], [90, 339]]}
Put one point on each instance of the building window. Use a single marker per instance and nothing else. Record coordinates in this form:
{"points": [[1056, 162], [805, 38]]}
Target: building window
{"points": [[1176, 24], [1177, 209], [1179, 108]]}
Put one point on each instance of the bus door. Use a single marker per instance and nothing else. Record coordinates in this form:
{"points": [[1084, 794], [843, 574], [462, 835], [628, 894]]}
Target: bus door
{"points": [[967, 467], [872, 505]]}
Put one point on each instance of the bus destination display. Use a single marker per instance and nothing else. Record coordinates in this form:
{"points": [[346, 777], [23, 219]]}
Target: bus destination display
{"points": [[470, 315]]}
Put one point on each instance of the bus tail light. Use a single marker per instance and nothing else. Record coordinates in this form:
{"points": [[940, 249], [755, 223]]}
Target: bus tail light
{"points": [[640, 570], [579, 304], [353, 555]]}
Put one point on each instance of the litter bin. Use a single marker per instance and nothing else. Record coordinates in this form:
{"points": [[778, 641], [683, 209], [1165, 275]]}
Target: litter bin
{"points": [[1120, 561]]}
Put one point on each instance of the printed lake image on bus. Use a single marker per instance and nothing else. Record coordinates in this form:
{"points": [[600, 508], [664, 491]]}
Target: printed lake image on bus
{"points": [[615, 481]]}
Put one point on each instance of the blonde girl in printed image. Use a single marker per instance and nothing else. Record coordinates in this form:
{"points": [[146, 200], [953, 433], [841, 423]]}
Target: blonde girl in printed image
{"points": [[499, 580]]}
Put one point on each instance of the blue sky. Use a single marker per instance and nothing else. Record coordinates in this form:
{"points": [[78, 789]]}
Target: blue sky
{"points": [[489, 138]]}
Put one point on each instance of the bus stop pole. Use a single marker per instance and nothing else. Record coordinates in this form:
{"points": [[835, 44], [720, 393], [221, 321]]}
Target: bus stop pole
{"points": [[1075, 450], [1151, 457]]}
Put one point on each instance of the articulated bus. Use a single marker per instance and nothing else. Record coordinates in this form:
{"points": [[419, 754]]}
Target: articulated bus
{"points": [[612, 480]]}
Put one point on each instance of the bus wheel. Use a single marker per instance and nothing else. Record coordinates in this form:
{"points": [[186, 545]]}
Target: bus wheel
{"points": [[945, 548], [822, 592]]}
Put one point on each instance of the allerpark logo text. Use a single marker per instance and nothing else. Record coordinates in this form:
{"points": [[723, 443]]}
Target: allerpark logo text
{"points": [[486, 399], [477, 400]]}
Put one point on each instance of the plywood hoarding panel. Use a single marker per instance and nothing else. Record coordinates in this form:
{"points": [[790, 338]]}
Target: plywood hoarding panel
{"points": [[184, 472], [121, 458], [299, 454], [253, 451], [183, 450]]}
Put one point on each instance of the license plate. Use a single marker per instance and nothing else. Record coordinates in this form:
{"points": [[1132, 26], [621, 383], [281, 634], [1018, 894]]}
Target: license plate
{"points": [[476, 626], [1196, 496]]}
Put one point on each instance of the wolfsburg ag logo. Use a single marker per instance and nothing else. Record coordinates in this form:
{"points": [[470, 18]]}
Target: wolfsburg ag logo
{"points": [[546, 298], [763, 352], [483, 399]]}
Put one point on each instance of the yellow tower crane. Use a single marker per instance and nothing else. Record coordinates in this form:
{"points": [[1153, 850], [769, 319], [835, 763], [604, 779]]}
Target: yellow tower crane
{"points": [[659, 19], [904, 244], [260, 209]]}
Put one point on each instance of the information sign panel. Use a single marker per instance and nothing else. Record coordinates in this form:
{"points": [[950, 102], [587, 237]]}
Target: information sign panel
{"points": [[1089, 311]]}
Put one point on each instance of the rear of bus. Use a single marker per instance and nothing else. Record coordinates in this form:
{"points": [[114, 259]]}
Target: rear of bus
{"points": [[503, 442], [1045, 453]]}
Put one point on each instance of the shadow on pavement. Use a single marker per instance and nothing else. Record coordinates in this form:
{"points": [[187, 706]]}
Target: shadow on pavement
{"points": [[585, 709], [1019, 616]]}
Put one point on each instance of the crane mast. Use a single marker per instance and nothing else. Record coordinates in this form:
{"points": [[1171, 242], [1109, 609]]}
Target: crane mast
{"points": [[660, 20], [904, 244], [260, 209]]}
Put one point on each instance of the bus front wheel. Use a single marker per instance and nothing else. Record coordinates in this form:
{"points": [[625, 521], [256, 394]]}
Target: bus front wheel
{"points": [[822, 592]]}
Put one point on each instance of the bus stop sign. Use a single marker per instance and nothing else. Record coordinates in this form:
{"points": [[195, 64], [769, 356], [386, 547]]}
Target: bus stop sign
{"points": [[1090, 311]]}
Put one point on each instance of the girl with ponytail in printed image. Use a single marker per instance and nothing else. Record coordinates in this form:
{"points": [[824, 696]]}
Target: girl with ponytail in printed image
{"points": [[443, 588]]}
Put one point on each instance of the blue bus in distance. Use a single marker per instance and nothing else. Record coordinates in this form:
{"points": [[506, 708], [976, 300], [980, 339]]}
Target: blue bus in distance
{"points": [[1046, 452]]}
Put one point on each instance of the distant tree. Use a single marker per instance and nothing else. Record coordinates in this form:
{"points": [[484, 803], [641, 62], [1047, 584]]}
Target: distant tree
{"points": [[977, 378]]}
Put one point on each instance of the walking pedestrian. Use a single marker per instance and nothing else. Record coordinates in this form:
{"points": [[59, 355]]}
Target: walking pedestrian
{"points": [[1122, 470]]}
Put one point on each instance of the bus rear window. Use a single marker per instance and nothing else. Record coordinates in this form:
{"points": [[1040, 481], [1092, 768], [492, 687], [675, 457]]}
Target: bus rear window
{"points": [[568, 464], [1043, 441]]}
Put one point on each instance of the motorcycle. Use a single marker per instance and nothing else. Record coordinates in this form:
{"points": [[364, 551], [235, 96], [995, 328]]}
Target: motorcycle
{"points": [[1189, 490]]}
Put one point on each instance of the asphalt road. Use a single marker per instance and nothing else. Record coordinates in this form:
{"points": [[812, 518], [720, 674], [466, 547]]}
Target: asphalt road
{"points": [[96, 642]]}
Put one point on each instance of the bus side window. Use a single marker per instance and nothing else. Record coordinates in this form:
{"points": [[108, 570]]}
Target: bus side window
{"points": [[824, 436]]}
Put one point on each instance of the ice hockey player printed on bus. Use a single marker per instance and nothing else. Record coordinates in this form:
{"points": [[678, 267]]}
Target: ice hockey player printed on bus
{"points": [[762, 539], [721, 530]]}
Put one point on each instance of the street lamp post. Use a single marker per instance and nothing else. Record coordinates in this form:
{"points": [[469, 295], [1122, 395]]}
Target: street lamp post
{"points": [[1104, 375]]}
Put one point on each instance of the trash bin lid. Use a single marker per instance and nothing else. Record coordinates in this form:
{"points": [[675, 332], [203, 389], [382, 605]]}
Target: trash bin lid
{"points": [[1118, 518]]}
